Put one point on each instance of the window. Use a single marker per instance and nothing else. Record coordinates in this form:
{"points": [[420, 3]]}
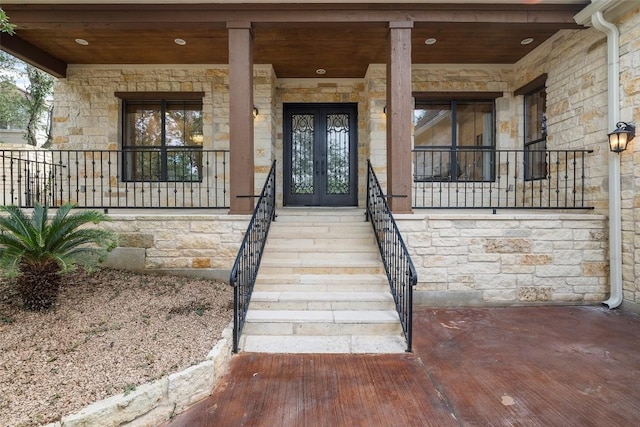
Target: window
{"points": [[535, 135], [535, 129], [454, 140], [162, 139]]}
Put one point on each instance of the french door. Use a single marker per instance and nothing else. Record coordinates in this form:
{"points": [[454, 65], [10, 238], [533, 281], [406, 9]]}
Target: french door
{"points": [[320, 155]]}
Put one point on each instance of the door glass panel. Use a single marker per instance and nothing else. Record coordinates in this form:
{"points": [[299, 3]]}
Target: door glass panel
{"points": [[338, 172], [302, 130]]}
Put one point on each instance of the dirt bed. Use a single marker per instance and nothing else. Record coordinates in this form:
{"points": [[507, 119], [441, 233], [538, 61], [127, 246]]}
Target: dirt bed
{"points": [[109, 332]]}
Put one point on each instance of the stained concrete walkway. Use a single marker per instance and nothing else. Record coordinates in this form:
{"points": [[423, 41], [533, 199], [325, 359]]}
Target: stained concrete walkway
{"points": [[537, 366]]}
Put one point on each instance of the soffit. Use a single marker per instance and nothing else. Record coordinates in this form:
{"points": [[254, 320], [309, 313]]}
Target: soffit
{"points": [[297, 39]]}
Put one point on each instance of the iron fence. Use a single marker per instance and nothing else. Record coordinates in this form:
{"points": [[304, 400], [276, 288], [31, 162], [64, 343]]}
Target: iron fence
{"points": [[401, 273], [180, 177], [486, 178], [247, 263]]}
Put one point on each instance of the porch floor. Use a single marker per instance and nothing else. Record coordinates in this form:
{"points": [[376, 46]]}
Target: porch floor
{"points": [[534, 366]]}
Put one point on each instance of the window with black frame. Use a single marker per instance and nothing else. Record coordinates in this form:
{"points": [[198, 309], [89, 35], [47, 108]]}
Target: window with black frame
{"points": [[535, 135], [535, 129], [454, 140], [162, 140]]}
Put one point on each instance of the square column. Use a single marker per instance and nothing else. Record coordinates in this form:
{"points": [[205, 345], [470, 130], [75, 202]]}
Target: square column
{"points": [[399, 116], [241, 162]]}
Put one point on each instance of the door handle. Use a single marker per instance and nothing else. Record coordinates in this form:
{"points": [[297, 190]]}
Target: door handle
{"points": [[322, 167], [317, 170]]}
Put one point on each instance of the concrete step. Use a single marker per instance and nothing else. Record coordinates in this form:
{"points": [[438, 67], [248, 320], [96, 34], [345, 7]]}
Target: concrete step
{"points": [[333, 214], [291, 258], [322, 322], [279, 282], [322, 244], [321, 288], [274, 300], [375, 344], [268, 268], [338, 231]]}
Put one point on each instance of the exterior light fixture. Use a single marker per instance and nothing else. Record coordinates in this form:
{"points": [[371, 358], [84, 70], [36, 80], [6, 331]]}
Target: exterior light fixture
{"points": [[197, 137], [430, 41], [621, 136], [82, 42], [321, 71], [255, 111], [526, 41], [180, 42]]}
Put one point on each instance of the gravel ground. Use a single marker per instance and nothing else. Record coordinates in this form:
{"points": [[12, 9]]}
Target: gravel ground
{"points": [[110, 331]]}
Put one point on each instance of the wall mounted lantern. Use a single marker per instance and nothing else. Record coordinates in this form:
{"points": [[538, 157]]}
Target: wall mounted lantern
{"points": [[621, 136], [197, 137], [255, 111]]}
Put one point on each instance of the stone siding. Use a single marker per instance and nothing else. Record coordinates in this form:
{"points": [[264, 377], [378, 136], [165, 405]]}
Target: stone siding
{"points": [[507, 258], [195, 244], [576, 64]]}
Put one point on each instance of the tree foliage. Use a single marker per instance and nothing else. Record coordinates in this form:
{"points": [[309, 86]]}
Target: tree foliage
{"points": [[5, 25], [26, 109]]}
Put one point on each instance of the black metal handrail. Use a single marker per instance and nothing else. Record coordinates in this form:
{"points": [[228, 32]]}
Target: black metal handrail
{"points": [[480, 177], [180, 177], [400, 271], [245, 268]]}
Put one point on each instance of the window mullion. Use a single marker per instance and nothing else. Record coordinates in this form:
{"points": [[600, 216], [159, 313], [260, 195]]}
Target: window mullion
{"points": [[163, 142]]}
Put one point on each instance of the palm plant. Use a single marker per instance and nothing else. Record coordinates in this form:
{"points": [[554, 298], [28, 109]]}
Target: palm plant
{"points": [[37, 250]]}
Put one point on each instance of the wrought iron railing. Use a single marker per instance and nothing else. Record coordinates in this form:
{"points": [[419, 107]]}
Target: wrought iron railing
{"points": [[400, 271], [486, 178], [245, 268], [179, 177]]}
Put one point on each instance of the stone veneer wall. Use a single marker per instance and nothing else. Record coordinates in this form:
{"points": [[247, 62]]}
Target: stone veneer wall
{"points": [[508, 258], [192, 244], [576, 64]]}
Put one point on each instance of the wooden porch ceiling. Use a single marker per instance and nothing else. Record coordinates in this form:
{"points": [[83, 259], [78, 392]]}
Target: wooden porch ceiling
{"points": [[297, 39]]}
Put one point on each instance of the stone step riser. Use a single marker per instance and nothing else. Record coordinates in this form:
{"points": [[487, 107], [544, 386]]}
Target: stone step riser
{"points": [[288, 254], [320, 328], [321, 305], [340, 287], [318, 245], [346, 231], [266, 269], [369, 344]]}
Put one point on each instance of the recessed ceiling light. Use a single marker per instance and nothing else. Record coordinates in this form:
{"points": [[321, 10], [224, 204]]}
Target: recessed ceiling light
{"points": [[82, 42], [430, 40], [526, 41], [321, 71], [180, 42]]}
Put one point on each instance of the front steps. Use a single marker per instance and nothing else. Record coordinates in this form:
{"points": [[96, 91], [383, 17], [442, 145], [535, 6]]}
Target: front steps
{"points": [[321, 288]]}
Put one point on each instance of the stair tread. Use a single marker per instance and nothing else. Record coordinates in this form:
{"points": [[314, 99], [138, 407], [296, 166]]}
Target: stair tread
{"points": [[321, 288]]}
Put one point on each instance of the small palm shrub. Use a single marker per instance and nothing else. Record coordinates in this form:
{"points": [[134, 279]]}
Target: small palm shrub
{"points": [[37, 250]]}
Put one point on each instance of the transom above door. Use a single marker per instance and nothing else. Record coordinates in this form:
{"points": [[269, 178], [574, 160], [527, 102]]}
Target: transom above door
{"points": [[320, 155]]}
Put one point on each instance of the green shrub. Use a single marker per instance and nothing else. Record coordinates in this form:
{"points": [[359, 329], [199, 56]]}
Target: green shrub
{"points": [[37, 250]]}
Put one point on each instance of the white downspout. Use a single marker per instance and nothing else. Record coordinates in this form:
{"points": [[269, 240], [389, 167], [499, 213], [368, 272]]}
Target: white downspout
{"points": [[615, 210]]}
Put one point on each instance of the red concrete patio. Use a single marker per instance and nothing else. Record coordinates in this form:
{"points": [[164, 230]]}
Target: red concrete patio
{"points": [[534, 366]]}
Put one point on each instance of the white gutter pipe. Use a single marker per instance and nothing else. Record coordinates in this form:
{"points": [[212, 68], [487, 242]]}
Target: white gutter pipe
{"points": [[615, 210]]}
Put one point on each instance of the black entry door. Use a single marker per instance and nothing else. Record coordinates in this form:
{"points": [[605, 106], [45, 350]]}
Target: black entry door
{"points": [[320, 155]]}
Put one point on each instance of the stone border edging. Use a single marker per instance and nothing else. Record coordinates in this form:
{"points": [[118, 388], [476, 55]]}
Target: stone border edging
{"points": [[154, 403]]}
